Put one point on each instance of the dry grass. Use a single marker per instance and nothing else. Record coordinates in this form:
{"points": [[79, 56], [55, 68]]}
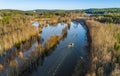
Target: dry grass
{"points": [[102, 48], [17, 29], [1, 67], [52, 41]]}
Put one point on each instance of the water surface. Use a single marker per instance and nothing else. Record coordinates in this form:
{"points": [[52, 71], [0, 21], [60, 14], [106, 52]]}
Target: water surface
{"points": [[62, 60]]}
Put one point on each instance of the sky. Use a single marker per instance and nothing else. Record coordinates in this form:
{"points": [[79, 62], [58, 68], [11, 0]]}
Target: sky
{"points": [[58, 4]]}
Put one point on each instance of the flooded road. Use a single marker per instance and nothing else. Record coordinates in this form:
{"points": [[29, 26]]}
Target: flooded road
{"points": [[63, 59]]}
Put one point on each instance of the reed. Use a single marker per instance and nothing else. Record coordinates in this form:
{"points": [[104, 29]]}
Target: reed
{"points": [[103, 53]]}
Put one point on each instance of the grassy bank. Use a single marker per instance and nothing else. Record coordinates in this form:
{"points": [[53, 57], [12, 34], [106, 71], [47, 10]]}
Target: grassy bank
{"points": [[104, 52], [14, 30]]}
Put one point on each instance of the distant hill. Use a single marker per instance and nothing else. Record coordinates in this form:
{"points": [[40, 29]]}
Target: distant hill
{"points": [[102, 11]]}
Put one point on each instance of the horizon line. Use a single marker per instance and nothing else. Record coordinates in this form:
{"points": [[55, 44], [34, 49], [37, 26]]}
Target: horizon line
{"points": [[56, 9]]}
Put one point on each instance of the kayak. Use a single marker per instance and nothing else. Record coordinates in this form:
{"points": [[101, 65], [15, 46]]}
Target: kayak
{"points": [[71, 45]]}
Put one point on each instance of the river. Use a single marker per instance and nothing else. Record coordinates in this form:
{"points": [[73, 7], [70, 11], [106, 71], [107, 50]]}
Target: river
{"points": [[62, 60]]}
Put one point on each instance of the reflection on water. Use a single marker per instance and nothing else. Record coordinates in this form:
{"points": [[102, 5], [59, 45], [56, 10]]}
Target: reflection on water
{"points": [[58, 61], [62, 60], [36, 24], [52, 30], [12, 53]]}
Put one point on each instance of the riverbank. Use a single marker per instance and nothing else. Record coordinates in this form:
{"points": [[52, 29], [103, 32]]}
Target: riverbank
{"points": [[103, 58]]}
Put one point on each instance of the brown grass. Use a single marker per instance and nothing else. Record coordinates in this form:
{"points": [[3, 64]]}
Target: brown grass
{"points": [[52, 41], [102, 48], [1, 67]]}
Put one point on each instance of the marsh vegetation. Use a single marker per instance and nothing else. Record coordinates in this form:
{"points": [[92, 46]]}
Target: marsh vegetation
{"points": [[25, 47]]}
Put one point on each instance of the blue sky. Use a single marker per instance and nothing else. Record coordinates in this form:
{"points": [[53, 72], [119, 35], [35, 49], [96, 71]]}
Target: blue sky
{"points": [[57, 4]]}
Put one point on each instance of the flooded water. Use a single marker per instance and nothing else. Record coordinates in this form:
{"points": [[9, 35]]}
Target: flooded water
{"points": [[62, 60], [52, 30], [58, 61]]}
